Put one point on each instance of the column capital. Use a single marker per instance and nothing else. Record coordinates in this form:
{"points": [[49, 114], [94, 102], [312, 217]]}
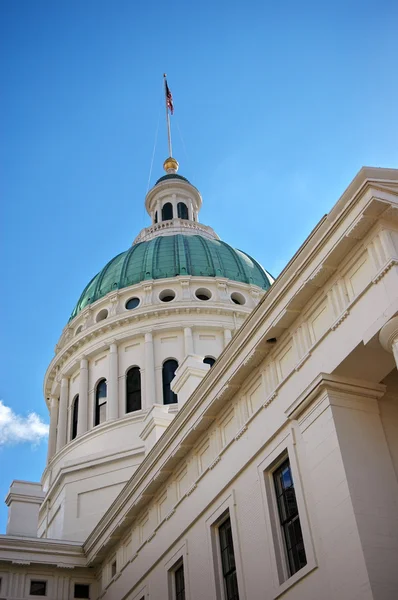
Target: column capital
{"points": [[64, 381], [53, 401], [389, 334], [83, 362], [113, 345], [148, 336]]}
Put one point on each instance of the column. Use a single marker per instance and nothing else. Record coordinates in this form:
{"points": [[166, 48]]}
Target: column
{"points": [[190, 210], [159, 211], [150, 395], [227, 336], [389, 337], [63, 413], [52, 436], [113, 380], [82, 415], [188, 340]]}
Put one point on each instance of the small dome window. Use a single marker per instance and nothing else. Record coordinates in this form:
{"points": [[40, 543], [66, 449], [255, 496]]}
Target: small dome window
{"points": [[132, 303], [182, 210], [101, 392], [167, 295], [168, 372], [75, 416], [209, 360], [238, 298], [167, 212], [79, 330], [102, 315], [203, 294]]}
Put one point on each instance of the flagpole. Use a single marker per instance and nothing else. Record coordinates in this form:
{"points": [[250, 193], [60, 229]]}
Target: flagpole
{"points": [[167, 116]]}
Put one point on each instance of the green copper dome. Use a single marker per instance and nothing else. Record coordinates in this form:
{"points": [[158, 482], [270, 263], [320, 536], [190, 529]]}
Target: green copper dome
{"points": [[169, 256]]}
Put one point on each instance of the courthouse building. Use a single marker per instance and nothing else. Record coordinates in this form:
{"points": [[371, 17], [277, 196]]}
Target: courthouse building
{"points": [[216, 434]]}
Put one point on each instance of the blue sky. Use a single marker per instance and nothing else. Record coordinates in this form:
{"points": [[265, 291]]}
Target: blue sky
{"points": [[277, 106]]}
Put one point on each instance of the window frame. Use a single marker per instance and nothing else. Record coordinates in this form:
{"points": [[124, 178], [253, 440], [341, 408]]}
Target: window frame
{"points": [[277, 454], [74, 417], [226, 508], [224, 575], [37, 580], [135, 391], [177, 559], [284, 521], [75, 583], [172, 394]]}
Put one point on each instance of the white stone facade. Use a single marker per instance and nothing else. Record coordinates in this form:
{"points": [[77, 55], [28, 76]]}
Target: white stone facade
{"points": [[309, 377]]}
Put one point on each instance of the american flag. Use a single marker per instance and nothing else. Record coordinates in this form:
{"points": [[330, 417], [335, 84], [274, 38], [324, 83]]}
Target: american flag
{"points": [[169, 98]]}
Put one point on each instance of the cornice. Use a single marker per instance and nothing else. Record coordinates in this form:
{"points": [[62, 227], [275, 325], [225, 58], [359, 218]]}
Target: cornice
{"points": [[25, 550]]}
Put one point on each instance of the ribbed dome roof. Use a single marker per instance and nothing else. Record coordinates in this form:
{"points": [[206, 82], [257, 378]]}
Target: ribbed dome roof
{"points": [[169, 256]]}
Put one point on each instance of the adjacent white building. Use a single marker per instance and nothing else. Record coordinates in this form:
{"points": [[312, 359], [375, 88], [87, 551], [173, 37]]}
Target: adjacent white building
{"points": [[218, 435]]}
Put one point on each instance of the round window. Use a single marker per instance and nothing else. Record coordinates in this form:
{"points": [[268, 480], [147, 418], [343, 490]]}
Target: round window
{"points": [[132, 303], [167, 295], [102, 315], [238, 298], [203, 294]]}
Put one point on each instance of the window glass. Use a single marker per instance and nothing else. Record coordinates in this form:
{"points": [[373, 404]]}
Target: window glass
{"points": [[179, 583], [167, 212], [100, 402], [182, 210], [133, 390], [132, 303], [289, 518], [168, 373], [228, 561], [75, 413], [38, 588], [209, 360], [82, 590]]}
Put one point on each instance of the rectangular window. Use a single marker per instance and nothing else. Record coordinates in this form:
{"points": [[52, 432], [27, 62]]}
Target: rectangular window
{"points": [[82, 590], [113, 568], [289, 518], [179, 583], [228, 561], [38, 588]]}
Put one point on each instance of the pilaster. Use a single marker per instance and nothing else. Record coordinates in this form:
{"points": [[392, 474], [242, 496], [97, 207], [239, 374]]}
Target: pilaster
{"points": [[82, 416], [63, 414], [113, 395]]}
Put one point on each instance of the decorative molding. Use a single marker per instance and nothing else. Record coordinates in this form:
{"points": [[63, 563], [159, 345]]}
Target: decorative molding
{"points": [[241, 432], [270, 399], [340, 319], [391, 263]]}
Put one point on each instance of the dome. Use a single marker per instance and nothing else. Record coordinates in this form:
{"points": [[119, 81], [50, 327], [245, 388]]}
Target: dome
{"points": [[169, 256]]}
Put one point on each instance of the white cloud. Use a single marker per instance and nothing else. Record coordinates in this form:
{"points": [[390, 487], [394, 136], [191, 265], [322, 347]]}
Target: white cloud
{"points": [[16, 429]]}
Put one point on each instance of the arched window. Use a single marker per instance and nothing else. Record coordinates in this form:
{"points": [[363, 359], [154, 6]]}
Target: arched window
{"points": [[168, 372], [182, 210], [100, 402], [133, 389], [167, 212], [75, 413], [156, 217], [209, 360]]}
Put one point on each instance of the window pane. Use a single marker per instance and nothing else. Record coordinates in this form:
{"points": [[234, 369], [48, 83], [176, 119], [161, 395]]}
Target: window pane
{"points": [[133, 390], [179, 583], [168, 372], [38, 588], [82, 590], [289, 518], [228, 561]]}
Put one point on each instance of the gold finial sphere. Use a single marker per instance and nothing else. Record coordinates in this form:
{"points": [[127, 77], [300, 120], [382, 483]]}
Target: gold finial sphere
{"points": [[170, 165]]}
